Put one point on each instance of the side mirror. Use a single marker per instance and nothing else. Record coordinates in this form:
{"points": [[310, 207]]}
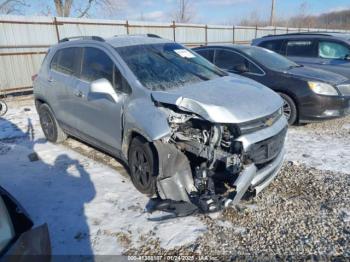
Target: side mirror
{"points": [[102, 88], [240, 68], [347, 57]]}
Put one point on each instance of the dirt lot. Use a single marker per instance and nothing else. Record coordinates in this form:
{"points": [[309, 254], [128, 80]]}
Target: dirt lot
{"points": [[91, 206]]}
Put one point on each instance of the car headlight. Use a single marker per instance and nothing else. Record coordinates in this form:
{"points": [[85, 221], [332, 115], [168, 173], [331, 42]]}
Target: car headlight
{"points": [[323, 88]]}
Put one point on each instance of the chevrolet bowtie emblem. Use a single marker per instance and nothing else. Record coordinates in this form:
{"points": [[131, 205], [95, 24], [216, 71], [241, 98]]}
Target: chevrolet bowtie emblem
{"points": [[269, 122]]}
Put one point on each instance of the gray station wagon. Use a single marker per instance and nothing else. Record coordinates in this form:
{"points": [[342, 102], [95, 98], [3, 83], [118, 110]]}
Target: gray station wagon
{"points": [[190, 133]]}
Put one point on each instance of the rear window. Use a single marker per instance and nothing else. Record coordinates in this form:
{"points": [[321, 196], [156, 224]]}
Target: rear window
{"points": [[274, 45], [66, 60], [304, 48]]}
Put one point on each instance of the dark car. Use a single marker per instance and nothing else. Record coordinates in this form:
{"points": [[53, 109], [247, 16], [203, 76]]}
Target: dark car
{"points": [[329, 51], [19, 240], [309, 94]]}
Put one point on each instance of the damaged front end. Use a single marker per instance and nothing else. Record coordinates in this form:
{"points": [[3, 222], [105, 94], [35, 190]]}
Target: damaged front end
{"points": [[210, 165]]}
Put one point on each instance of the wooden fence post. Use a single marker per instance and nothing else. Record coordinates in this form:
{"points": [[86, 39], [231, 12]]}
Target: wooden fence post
{"points": [[127, 27], [174, 33], [56, 27], [233, 34], [206, 34]]}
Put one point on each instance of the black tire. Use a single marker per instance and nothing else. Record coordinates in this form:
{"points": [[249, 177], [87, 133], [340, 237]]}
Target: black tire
{"points": [[52, 131], [143, 166], [3, 108], [289, 109]]}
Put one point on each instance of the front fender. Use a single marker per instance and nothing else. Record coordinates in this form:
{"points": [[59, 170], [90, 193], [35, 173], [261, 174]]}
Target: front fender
{"points": [[143, 117]]}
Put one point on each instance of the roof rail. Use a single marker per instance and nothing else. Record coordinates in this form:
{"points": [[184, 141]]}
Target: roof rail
{"points": [[96, 38], [302, 33], [145, 35]]}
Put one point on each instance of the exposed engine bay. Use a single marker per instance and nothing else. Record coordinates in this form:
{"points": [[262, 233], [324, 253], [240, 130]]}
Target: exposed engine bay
{"points": [[203, 164]]}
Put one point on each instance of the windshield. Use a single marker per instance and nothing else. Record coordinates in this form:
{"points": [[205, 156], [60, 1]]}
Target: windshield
{"points": [[167, 66], [270, 59]]}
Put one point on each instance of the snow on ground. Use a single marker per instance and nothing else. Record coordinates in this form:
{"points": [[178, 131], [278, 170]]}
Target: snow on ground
{"points": [[93, 208], [324, 152], [89, 207]]}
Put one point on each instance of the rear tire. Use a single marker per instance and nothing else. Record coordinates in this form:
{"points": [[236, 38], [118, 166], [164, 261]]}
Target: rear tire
{"points": [[143, 166], [3, 108], [52, 131], [289, 109]]}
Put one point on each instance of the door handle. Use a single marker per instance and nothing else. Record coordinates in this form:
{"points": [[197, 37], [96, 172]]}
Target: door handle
{"points": [[79, 94], [50, 79]]}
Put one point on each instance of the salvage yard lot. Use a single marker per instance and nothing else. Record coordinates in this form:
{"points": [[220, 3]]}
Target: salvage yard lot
{"points": [[91, 206]]}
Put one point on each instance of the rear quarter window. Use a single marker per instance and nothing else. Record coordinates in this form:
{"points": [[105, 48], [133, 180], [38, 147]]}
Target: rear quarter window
{"points": [[273, 45], [66, 60], [207, 54]]}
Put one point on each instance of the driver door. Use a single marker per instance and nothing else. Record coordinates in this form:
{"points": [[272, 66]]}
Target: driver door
{"points": [[100, 116]]}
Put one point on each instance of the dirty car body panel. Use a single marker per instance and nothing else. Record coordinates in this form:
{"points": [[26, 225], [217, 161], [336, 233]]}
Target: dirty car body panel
{"points": [[215, 136]]}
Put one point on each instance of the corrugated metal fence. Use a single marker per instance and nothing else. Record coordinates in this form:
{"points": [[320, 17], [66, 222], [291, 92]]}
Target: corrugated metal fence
{"points": [[24, 40]]}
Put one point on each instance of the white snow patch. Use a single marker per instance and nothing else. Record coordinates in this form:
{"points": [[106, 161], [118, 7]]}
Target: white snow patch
{"points": [[86, 204], [322, 152]]}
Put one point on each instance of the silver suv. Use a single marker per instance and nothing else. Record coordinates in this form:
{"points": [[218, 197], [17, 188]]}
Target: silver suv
{"points": [[190, 133]]}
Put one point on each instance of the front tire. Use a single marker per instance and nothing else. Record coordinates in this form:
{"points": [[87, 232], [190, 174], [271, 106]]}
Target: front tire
{"points": [[50, 126], [143, 166], [289, 109]]}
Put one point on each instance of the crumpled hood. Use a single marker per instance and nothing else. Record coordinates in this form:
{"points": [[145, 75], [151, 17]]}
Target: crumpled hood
{"points": [[230, 99], [315, 74]]}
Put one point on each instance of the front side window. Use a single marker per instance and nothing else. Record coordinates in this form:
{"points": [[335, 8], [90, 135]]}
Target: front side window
{"points": [[7, 232], [65, 60], [167, 65], [304, 48], [269, 58], [97, 64], [332, 50]]}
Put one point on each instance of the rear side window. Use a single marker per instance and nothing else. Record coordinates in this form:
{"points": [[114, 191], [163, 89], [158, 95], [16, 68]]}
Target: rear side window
{"points": [[229, 60], [274, 45], [66, 60], [304, 48], [332, 50], [97, 64], [207, 54]]}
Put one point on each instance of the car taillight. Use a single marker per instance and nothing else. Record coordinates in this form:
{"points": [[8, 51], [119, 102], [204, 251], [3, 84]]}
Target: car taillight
{"points": [[34, 77]]}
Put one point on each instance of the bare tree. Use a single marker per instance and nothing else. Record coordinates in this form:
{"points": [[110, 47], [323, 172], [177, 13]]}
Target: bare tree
{"points": [[12, 6], [84, 8], [63, 7], [184, 12]]}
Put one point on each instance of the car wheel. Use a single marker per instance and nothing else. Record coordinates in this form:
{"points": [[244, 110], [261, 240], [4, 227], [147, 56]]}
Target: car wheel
{"points": [[143, 166], [49, 125], [289, 109]]}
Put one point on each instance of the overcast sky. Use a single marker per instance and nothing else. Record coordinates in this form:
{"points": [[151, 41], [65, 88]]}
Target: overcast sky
{"points": [[205, 11]]}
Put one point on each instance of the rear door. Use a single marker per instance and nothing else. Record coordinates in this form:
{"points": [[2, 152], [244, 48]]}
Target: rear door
{"points": [[302, 51], [62, 77], [100, 118]]}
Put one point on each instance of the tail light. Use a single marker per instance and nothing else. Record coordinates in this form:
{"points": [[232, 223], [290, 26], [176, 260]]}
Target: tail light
{"points": [[34, 77]]}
